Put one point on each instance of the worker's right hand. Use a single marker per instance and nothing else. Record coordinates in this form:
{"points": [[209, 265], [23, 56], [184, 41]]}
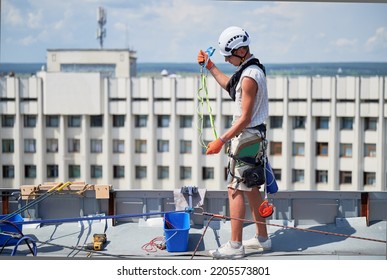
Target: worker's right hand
{"points": [[215, 146], [203, 57]]}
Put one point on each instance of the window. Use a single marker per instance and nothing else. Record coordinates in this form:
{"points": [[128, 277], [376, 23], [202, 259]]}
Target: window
{"points": [[96, 145], [52, 171], [322, 123], [29, 145], [96, 171], [30, 120], [345, 177], [299, 122], [74, 171], [276, 122], [208, 173], [140, 172], [118, 120], [275, 148], [162, 146], [118, 146], [185, 172], [298, 175], [228, 122], [322, 176], [163, 121], [185, 121], [52, 121], [345, 150], [7, 145], [74, 145], [52, 145], [30, 171], [277, 174], [346, 123], [207, 121], [370, 124], [140, 120], [7, 120], [8, 171], [370, 150], [370, 178], [96, 121], [162, 172], [298, 149], [322, 149], [118, 171], [140, 146], [185, 147], [74, 121]]}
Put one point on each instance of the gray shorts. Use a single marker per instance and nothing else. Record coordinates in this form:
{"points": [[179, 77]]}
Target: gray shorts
{"points": [[246, 144]]}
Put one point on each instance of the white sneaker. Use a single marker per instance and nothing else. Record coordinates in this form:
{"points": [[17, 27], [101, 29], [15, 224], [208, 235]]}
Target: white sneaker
{"points": [[227, 252], [254, 243]]}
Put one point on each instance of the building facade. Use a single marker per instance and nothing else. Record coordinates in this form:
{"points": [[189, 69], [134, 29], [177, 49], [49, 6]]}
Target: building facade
{"points": [[70, 123]]}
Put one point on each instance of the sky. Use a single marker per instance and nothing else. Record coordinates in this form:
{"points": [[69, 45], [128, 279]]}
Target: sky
{"points": [[175, 30]]}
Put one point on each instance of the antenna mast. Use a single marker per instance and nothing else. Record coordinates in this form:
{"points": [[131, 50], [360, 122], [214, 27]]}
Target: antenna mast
{"points": [[101, 31]]}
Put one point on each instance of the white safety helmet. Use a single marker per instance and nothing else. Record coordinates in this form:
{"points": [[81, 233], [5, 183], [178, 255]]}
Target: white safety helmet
{"points": [[231, 39]]}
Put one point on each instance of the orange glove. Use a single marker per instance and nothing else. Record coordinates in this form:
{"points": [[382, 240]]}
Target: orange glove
{"points": [[202, 58], [214, 147]]}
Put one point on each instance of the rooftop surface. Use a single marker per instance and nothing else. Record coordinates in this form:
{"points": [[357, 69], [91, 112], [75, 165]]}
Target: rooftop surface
{"points": [[347, 239]]}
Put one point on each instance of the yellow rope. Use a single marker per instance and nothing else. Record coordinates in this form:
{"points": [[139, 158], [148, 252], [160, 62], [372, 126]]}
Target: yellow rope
{"points": [[204, 99]]}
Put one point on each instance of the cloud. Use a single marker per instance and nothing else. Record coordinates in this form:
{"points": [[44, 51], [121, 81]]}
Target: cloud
{"points": [[34, 19], [13, 15], [345, 43], [378, 40]]}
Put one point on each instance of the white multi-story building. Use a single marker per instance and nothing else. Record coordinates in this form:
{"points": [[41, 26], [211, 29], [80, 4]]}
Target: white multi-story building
{"points": [[73, 123]]}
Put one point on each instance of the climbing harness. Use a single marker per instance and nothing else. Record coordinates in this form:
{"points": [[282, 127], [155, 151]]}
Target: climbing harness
{"points": [[203, 98], [266, 209]]}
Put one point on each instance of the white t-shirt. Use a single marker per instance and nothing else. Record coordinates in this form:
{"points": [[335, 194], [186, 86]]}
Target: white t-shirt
{"points": [[261, 106]]}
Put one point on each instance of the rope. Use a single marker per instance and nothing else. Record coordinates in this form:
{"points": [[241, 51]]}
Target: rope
{"points": [[201, 237], [50, 192], [77, 219], [290, 227], [201, 100]]}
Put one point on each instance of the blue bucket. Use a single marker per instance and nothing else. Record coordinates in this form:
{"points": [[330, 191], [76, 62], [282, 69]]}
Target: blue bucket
{"points": [[176, 231], [9, 228]]}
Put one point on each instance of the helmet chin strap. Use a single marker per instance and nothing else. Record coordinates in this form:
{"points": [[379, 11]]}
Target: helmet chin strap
{"points": [[242, 58]]}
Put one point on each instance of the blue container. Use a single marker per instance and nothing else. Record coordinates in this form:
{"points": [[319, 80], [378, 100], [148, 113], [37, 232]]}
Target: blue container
{"points": [[9, 228], [271, 183], [176, 231]]}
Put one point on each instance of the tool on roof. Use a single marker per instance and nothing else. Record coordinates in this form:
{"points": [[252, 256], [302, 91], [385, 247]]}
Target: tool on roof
{"points": [[99, 240]]}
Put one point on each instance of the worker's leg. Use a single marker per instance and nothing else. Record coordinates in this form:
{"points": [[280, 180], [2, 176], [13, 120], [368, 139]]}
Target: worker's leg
{"points": [[238, 211], [255, 200]]}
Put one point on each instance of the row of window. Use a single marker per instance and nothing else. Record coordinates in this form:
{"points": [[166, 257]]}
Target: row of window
{"points": [[345, 149], [52, 171], [345, 177], [74, 146], [346, 123]]}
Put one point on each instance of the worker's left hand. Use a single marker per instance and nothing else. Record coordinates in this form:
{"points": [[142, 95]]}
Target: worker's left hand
{"points": [[214, 147], [202, 58]]}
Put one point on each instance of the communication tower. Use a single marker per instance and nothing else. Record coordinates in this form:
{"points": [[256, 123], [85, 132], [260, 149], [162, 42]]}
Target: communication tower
{"points": [[101, 31]]}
